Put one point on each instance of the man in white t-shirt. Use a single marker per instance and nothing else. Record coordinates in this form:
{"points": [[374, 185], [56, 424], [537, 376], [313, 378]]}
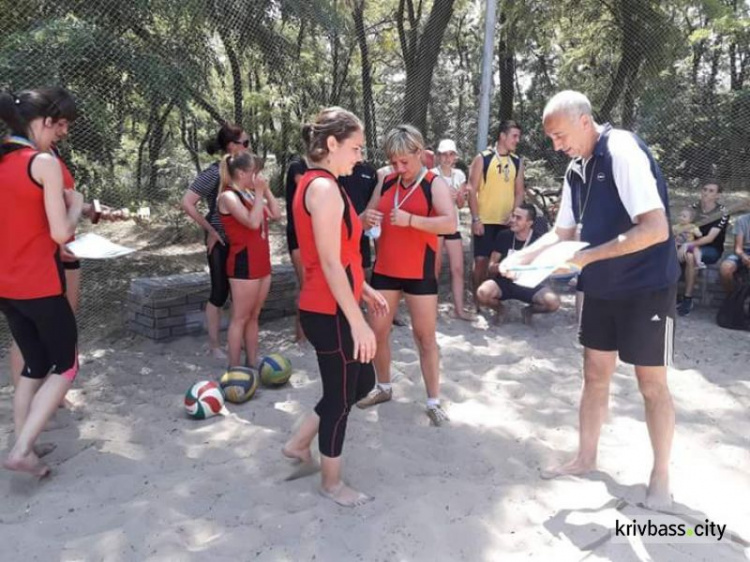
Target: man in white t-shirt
{"points": [[456, 180]]}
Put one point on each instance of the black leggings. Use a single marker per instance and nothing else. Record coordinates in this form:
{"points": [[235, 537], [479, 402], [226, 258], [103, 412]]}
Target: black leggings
{"points": [[217, 266], [345, 381], [46, 333]]}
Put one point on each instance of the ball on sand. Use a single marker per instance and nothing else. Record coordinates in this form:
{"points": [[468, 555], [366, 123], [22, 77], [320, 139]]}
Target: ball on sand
{"points": [[203, 400]]}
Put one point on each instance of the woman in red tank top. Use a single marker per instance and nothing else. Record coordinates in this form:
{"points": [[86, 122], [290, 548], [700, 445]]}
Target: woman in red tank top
{"points": [[71, 266], [38, 214], [245, 205], [413, 206], [329, 230]]}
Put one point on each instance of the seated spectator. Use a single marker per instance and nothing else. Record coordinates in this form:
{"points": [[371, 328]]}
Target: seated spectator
{"points": [[739, 261], [685, 233], [712, 219], [497, 288]]}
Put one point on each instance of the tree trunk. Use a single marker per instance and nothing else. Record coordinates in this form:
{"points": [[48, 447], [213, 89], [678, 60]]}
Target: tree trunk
{"points": [[234, 65], [631, 56], [141, 150], [421, 51], [368, 104], [187, 142], [156, 142]]}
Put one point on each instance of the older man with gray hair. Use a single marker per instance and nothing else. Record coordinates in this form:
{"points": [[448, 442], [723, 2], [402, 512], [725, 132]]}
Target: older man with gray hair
{"points": [[615, 198]]}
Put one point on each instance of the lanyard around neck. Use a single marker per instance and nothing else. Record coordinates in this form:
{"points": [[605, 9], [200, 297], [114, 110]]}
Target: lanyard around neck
{"points": [[396, 203], [526, 242], [15, 139]]}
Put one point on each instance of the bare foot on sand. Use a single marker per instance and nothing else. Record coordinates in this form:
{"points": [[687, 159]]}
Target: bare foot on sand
{"points": [[26, 463], [575, 467], [658, 496], [306, 465], [291, 451], [345, 496], [44, 449], [461, 315]]}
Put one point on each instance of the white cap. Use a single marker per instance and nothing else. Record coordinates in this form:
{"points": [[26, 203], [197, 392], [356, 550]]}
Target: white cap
{"points": [[447, 145]]}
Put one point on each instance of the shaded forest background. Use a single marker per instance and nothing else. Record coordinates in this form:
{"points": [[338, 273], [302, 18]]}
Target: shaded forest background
{"points": [[156, 77]]}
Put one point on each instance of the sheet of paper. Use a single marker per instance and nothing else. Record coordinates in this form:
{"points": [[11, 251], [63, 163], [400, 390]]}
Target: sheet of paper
{"points": [[545, 263], [94, 247]]}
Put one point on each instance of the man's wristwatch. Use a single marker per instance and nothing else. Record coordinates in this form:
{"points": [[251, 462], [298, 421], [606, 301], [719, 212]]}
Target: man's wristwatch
{"points": [[475, 220]]}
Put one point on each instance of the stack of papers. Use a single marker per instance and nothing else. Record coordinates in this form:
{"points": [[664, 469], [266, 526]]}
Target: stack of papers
{"points": [[554, 257], [94, 247]]}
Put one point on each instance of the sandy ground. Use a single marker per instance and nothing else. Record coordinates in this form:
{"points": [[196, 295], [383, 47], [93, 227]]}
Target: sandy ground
{"points": [[134, 479]]}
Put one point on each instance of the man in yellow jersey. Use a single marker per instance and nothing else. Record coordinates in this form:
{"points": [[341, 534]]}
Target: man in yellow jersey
{"points": [[495, 189]]}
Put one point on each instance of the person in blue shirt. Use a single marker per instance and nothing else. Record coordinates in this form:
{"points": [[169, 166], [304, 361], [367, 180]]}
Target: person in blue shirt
{"points": [[615, 199]]}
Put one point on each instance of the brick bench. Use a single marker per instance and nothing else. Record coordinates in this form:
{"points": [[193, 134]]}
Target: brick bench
{"points": [[172, 306]]}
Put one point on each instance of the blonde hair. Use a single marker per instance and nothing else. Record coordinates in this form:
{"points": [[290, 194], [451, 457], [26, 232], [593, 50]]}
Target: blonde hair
{"points": [[228, 166], [404, 139], [333, 122]]}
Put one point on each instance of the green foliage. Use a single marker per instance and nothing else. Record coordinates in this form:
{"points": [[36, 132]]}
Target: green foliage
{"points": [[155, 78]]}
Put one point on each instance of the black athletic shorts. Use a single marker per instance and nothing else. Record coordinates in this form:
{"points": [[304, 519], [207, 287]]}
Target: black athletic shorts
{"points": [[72, 265], [46, 333], [640, 328], [217, 268], [485, 244], [510, 291], [427, 286], [455, 236]]}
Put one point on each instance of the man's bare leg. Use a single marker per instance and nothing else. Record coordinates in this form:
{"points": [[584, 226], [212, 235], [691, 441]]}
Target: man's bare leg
{"points": [[478, 275], [726, 274], [652, 382], [545, 301], [598, 367]]}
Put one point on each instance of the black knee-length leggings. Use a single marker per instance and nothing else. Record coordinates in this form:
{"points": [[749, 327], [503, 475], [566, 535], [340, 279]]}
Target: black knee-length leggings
{"points": [[345, 381]]}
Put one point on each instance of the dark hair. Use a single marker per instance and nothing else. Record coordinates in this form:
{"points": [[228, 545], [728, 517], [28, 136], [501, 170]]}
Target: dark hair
{"points": [[530, 210], [713, 181], [19, 110], [228, 133], [506, 126], [229, 165], [331, 122]]}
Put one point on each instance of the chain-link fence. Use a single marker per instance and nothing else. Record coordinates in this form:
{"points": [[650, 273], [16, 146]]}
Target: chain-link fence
{"points": [[155, 78]]}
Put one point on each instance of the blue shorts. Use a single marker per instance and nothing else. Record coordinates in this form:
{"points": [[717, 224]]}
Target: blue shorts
{"points": [[709, 254], [736, 260]]}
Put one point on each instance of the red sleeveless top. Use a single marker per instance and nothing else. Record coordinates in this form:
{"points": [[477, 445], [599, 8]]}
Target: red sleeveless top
{"points": [[249, 252], [316, 296], [405, 252], [31, 266]]}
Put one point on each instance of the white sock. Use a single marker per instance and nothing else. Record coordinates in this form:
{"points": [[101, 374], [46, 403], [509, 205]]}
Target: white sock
{"points": [[386, 386], [433, 402]]}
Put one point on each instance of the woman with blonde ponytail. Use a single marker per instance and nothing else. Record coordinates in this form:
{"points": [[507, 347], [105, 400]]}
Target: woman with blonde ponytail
{"points": [[245, 205], [231, 140]]}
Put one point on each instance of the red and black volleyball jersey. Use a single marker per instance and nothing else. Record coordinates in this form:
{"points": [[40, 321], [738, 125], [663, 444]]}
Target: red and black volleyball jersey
{"points": [[30, 259], [249, 252], [406, 252], [316, 296]]}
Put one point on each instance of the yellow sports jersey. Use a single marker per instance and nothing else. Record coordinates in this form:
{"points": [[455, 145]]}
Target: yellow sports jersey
{"points": [[497, 186]]}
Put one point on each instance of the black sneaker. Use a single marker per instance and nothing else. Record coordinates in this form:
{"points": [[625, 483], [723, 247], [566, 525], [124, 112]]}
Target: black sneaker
{"points": [[685, 307]]}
